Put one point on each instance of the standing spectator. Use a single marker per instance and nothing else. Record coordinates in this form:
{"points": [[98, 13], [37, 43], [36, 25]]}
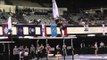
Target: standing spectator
{"points": [[86, 26], [64, 50], [40, 52], [26, 53], [21, 52], [15, 53], [96, 48], [57, 48], [48, 48], [32, 51]]}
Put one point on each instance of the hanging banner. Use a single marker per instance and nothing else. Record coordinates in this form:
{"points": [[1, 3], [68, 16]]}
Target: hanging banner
{"points": [[5, 29], [53, 30], [20, 30], [31, 30], [43, 30]]}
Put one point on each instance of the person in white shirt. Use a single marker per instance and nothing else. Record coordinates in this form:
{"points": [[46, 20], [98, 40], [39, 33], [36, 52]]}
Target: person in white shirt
{"points": [[96, 48], [26, 53], [15, 53], [57, 48]]}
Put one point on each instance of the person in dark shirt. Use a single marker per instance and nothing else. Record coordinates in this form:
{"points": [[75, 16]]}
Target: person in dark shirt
{"points": [[40, 52], [32, 51]]}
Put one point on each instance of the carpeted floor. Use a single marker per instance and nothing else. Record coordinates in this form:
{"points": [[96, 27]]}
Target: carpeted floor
{"points": [[79, 57]]}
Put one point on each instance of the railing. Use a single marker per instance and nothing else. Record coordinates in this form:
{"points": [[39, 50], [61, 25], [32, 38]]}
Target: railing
{"points": [[70, 30]]}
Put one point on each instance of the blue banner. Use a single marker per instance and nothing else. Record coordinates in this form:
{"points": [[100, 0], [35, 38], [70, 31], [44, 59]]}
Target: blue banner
{"points": [[20, 30], [53, 30], [32, 30]]}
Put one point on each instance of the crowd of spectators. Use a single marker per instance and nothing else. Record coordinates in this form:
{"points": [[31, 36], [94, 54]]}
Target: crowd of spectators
{"points": [[81, 18], [36, 16], [4, 16]]}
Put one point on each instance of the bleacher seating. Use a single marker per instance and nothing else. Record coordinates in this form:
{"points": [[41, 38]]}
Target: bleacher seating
{"points": [[95, 18], [26, 3]]}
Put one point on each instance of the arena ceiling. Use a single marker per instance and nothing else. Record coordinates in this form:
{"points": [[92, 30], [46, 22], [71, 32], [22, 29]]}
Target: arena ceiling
{"points": [[77, 3], [74, 4]]}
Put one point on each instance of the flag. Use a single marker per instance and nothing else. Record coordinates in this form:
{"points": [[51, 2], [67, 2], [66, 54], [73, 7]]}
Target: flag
{"points": [[5, 29], [43, 30], [9, 23], [20, 30], [53, 30], [32, 30], [55, 10]]}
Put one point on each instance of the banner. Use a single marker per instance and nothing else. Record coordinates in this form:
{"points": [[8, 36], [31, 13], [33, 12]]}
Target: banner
{"points": [[55, 10], [43, 30], [9, 23], [7, 26], [5, 29], [20, 30], [32, 30], [53, 30]]}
